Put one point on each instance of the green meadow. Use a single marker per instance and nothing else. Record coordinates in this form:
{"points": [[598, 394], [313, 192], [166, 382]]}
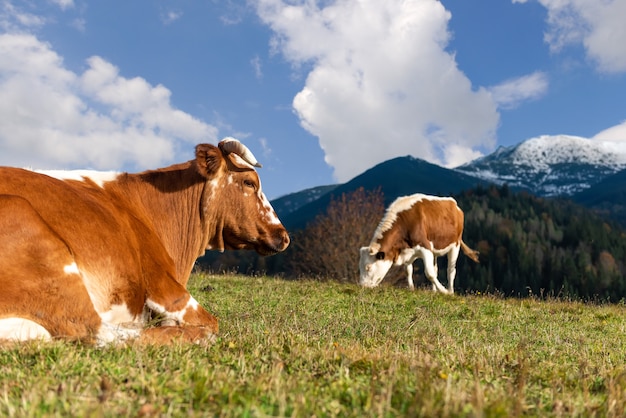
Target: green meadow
{"points": [[310, 348]]}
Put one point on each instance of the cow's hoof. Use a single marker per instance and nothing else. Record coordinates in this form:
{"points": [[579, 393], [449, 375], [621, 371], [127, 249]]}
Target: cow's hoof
{"points": [[177, 334]]}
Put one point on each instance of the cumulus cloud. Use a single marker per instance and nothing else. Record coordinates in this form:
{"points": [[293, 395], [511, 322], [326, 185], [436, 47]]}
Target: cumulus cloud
{"points": [[51, 117], [597, 25], [616, 133], [381, 83], [512, 93]]}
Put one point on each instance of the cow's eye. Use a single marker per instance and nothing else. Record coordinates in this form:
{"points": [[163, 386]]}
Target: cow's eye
{"points": [[249, 183]]}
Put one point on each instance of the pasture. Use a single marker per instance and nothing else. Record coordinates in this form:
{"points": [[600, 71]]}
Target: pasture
{"points": [[307, 348]]}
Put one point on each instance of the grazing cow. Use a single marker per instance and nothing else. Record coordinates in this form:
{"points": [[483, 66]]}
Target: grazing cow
{"points": [[98, 257], [416, 226]]}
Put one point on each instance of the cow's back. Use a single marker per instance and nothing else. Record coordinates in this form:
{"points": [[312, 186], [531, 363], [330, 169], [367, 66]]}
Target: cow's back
{"points": [[437, 221]]}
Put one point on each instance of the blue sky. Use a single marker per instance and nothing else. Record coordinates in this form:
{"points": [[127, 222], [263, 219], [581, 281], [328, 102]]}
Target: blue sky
{"points": [[320, 91]]}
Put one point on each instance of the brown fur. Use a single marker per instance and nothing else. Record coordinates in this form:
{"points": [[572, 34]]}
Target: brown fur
{"points": [[437, 221], [472, 254], [135, 239]]}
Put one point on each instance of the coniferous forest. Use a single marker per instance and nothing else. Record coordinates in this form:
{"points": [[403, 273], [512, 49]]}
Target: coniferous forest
{"points": [[529, 246], [540, 246]]}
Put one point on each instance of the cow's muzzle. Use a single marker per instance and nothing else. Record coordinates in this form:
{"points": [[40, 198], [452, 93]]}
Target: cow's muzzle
{"points": [[277, 243]]}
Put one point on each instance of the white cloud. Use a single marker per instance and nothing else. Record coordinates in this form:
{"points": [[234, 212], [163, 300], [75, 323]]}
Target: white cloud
{"points": [[615, 133], [267, 151], [51, 117], [170, 16], [255, 62], [79, 24], [64, 4], [13, 18], [598, 25], [381, 83], [512, 93]]}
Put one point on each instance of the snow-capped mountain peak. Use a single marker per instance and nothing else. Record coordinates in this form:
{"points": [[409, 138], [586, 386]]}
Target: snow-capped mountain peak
{"points": [[551, 165], [545, 151]]}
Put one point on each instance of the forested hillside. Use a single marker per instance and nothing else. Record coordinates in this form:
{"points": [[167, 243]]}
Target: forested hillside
{"points": [[607, 197], [540, 246]]}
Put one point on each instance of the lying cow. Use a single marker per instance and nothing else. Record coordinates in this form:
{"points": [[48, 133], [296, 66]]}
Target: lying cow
{"points": [[98, 256], [416, 226]]}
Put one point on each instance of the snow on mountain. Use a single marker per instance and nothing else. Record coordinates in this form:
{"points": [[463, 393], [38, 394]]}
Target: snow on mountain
{"points": [[551, 165]]}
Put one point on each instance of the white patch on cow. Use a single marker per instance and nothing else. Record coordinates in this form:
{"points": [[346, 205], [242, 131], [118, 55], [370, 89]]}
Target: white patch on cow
{"points": [[117, 314], [119, 325], [193, 304], [97, 286], [443, 251], [21, 329], [269, 215], [408, 255], [213, 184], [117, 333], [372, 271], [176, 316], [156, 307], [71, 269], [400, 205], [98, 177]]}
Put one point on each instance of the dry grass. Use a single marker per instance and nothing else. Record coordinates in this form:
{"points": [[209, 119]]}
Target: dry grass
{"points": [[308, 348]]}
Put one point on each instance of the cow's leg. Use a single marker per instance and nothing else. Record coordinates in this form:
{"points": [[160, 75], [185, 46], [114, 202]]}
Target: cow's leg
{"points": [[435, 272], [42, 294], [431, 273], [453, 255], [182, 317], [164, 335], [409, 275], [192, 323], [170, 332]]}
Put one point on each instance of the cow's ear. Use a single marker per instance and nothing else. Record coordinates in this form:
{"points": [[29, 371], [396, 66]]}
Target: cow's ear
{"points": [[380, 255], [209, 159]]}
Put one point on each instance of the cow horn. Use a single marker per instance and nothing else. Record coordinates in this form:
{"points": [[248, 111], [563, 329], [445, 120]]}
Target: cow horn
{"points": [[232, 145]]}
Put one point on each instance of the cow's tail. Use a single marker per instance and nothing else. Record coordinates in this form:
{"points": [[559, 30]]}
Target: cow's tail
{"points": [[473, 254]]}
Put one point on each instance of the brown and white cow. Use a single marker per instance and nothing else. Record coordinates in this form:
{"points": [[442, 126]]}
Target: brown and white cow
{"points": [[98, 256], [416, 226]]}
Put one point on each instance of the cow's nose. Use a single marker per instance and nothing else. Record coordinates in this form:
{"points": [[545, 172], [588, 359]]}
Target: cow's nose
{"points": [[285, 240]]}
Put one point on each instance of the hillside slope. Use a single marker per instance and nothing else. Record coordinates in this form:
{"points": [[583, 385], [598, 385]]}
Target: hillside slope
{"points": [[607, 197]]}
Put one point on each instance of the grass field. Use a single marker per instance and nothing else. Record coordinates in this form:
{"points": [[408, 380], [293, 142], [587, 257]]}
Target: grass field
{"points": [[307, 348]]}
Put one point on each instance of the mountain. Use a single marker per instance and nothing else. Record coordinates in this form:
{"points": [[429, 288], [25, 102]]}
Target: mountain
{"points": [[293, 201], [546, 166], [396, 177], [549, 166], [607, 197]]}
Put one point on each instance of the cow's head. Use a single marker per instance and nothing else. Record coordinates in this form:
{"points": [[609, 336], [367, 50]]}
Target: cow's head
{"points": [[234, 203], [373, 265]]}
